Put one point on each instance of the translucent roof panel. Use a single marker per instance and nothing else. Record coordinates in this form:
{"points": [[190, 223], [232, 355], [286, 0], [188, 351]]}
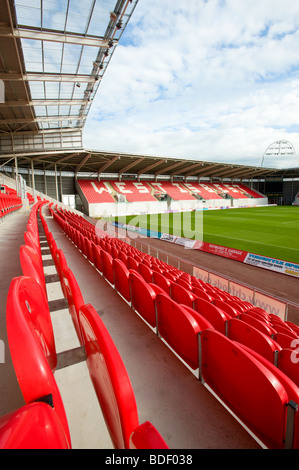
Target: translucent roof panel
{"points": [[67, 46]]}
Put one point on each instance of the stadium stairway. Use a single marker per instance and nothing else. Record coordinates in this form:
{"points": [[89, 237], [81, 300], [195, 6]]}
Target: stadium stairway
{"points": [[183, 410]]}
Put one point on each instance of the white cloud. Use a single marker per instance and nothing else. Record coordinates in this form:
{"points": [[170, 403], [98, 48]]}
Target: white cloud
{"points": [[213, 80]]}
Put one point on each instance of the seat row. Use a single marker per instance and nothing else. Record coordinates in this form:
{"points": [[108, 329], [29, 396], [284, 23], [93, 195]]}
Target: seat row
{"points": [[9, 203], [33, 351], [232, 345]]}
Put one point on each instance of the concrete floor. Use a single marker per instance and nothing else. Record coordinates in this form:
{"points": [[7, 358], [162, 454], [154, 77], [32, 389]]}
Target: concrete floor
{"points": [[184, 411]]}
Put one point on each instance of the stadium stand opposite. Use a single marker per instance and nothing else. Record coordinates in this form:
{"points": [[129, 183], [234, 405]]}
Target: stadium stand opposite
{"points": [[111, 197]]}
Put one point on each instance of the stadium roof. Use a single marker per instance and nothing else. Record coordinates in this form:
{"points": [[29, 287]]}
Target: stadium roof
{"points": [[53, 56], [98, 163]]}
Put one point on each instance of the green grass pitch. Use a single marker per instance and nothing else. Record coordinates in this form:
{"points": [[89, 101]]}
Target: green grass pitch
{"points": [[269, 231]]}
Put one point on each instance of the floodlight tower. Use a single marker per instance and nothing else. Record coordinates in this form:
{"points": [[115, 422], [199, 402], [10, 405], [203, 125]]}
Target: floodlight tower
{"points": [[280, 149]]}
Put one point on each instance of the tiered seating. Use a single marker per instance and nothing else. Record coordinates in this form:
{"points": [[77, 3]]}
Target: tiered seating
{"points": [[249, 191], [239, 355], [133, 191], [174, 190], [229, 189], [9, 201], [30, 198], [100, 191], [33, 351], [204, 190], [95, 191]]}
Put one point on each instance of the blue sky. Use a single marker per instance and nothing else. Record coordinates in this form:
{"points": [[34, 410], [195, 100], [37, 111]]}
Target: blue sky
{"points": [[214, 80]]}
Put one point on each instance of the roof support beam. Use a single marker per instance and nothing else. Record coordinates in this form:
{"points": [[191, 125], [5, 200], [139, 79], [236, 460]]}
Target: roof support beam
{"points": [[186, 169], [78, 168], [47, 77], [54, 36], [23, 103], [107, 164], [63, 159], [41, 119], [206, 170], [164, 170], [130, 165], [150, 167]]}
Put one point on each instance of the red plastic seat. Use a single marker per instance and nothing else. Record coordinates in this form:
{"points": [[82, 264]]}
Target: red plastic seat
{"points": [[201, 321], [288, 362], [178, 328], [74, 298], [237, 330], [145, 272], [113, 387], [291, 388], [107, 267], [97, 258], [284, 340], [33, 426], [213, 314], [259, 316], [121, 279], [181, 295], [162, 282], [146, 436], [31, 239], [31, 345], [61, 265], [250, 390], [228, 309], [281, 327], [143, 298], [262, 312], [199, 292], [31, 266], [258, 324], [132, 263]]}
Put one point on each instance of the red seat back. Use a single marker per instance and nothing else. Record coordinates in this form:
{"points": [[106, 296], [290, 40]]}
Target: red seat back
{"points": [[34, 426], [61, 265], [110, 379], [258, 324], [28, 342], [121, 279], [31, 266], [145, 272], [291, 388], [143, 298], [213, 314], [178, 328], [107, 266], [202, 322], [146, 436], [284, 340], [161, 281], [237, 330], [74, 298], [288, 362], [228, 309], [248, 388], [181, 295], [97, 258], [199, 292]]}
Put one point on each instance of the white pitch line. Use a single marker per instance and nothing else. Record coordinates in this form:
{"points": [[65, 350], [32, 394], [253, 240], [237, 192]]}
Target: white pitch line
{"points": [[248, 241]]}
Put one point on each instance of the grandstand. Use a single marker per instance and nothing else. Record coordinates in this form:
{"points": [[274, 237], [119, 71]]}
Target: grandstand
{"points": [[189, 358]]}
